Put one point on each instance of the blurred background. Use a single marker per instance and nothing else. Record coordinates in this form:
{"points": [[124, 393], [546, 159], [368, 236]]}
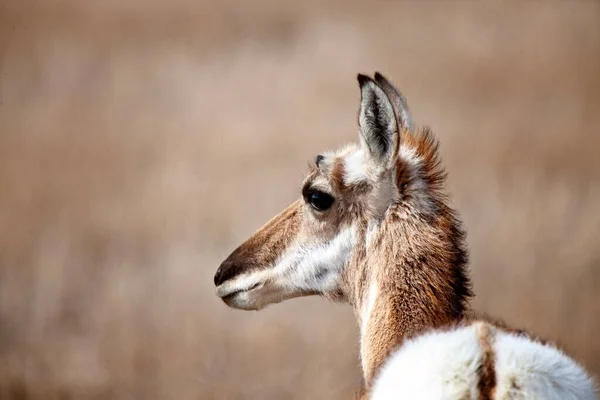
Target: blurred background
{"points": [[142, 141]]}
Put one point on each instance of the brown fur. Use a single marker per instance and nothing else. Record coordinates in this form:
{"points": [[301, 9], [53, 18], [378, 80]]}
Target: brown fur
{"points": [[264, 246], [419, 261], [486, 371]]}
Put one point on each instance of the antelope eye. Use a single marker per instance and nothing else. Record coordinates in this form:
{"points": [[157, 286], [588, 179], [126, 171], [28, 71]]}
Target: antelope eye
{"points": [[318, 200]]}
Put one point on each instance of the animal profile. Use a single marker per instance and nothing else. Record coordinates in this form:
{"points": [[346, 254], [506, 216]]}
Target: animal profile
{"points": [[373, 227]]}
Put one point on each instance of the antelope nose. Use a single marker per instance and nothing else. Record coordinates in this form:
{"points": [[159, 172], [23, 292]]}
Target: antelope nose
{"points": [[229, 269], [218, 275]]}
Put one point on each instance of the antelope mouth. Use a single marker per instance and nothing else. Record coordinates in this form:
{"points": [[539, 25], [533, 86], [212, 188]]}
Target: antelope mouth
{"points": [[226, 292]]}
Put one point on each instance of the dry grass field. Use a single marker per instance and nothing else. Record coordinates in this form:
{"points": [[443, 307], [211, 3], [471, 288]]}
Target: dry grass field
{"points": [[141, 141]]}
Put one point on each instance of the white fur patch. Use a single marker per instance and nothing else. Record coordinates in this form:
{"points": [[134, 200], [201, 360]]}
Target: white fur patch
{"points": [[367, 306], [530, 370], [356, 168], [444, 365], [366, 310], [436, 365], [316, 267]]}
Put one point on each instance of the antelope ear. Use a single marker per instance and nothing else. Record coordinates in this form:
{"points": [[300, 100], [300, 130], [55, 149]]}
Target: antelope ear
{"points": [[379, 130], [398, 101]]}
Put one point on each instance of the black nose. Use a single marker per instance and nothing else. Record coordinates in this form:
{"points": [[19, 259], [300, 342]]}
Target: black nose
{"points": [[218, 274], [229, 269]]}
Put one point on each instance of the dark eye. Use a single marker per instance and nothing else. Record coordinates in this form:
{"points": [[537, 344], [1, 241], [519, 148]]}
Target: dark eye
{"points": [[320, 201]]}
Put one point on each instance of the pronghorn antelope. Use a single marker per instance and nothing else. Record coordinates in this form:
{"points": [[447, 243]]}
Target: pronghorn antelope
{"points": [[374, 228]]}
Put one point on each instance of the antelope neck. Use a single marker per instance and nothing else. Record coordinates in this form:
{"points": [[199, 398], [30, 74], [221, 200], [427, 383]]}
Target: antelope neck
{"points": [[399, 288]]}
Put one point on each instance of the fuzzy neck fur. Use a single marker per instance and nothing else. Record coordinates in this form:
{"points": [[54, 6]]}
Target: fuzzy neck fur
{"points": [[409, 273]]}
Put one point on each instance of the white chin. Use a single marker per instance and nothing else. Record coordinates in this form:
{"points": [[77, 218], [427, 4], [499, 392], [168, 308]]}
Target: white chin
{"points": [[258, 298], [241, 301]]}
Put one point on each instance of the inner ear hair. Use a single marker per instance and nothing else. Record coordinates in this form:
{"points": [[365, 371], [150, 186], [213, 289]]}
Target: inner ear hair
{"points": [[379, 127]]}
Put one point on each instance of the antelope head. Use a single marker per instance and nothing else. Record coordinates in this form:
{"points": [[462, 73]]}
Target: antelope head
{"points": [[306, 249]]}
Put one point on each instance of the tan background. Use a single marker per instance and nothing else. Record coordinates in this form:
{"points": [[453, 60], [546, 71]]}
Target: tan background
{"points": [[141, 141]]}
